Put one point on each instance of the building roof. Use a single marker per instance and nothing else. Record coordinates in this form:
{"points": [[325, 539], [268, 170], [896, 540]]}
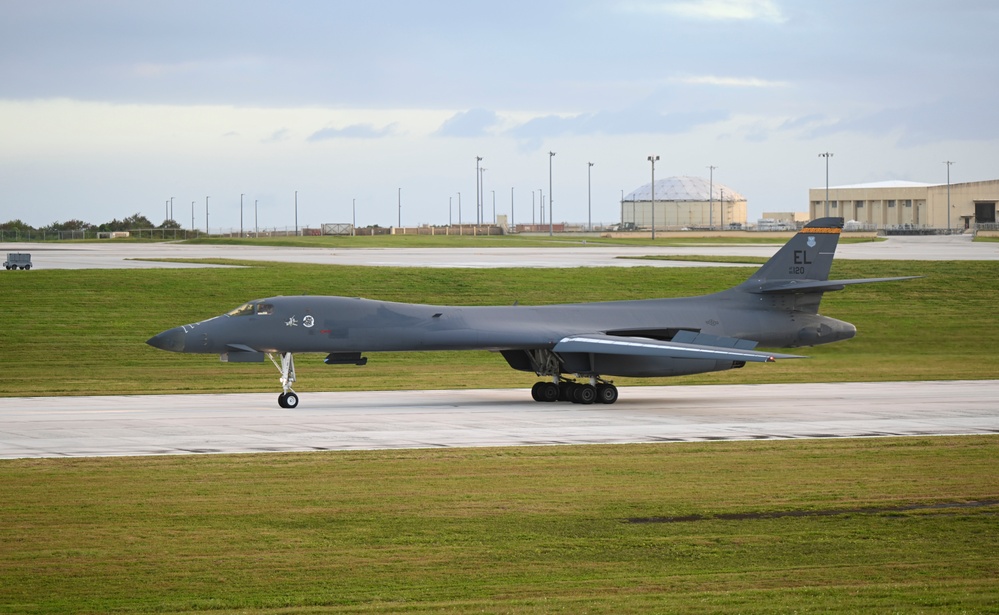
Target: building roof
{"points": [[684, 188], [893, 183]]}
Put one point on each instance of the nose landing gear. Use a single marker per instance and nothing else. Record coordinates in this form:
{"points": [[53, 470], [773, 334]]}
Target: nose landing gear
{"points": [[288, 398]]}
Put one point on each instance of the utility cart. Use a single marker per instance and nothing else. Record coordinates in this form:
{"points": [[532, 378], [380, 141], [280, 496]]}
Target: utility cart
{"points": [[17, 260]]}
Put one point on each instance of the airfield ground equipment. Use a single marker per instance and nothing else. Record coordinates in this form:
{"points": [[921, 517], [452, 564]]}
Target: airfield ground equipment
{"points": [[17, 260]]}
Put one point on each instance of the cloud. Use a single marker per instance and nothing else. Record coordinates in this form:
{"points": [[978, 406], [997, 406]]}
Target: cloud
{"points": [[471, 123], [277, 136], [732, 82], [354, 131], [632, 121], [714, 10], [963, 119]]}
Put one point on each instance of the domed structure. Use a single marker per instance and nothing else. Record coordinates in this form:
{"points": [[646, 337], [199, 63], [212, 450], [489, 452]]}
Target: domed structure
{"points": [[684, 202]]}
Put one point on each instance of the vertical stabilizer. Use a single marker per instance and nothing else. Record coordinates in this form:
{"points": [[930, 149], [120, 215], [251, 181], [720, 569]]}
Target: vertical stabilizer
{"points": [[807, 256]]}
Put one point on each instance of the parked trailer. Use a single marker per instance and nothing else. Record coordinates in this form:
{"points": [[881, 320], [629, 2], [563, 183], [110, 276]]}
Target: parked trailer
{"points": [[17, 260]]}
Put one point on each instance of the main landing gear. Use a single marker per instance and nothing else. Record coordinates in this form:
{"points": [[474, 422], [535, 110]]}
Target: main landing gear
{"points": [[546, 363], [289, 398], [596, 391]]}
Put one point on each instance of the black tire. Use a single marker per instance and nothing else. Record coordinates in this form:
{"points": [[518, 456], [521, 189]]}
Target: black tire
{"points": [[607, 393], [281, 398], [291, 400], [536, 391], [549, 392], [586, 394]]}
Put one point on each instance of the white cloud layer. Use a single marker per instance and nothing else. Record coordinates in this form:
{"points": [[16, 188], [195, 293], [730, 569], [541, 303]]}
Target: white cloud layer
{"points": [[110, 108]]}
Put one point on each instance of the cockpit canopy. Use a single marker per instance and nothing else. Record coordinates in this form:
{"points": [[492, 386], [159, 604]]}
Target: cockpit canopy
{"points": [[253, 307]]}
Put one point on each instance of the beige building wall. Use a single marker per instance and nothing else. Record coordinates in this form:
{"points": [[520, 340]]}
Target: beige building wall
{"points": [[684, 214], [790, 217], [917, 204]]}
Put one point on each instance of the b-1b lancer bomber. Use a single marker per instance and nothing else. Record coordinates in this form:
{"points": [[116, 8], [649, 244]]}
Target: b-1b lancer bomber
{"points": [[571, 347]]}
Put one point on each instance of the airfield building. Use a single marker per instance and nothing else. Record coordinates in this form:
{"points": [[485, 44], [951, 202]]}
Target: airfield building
{"points": [[684, 203], [894, 204]]}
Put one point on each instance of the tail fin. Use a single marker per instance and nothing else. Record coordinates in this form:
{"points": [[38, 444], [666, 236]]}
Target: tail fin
{"points": [[807, 257], [797, 276]]}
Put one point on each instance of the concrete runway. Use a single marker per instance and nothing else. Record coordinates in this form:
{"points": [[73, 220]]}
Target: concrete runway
{"points": [[246, 423], [111, 255]]}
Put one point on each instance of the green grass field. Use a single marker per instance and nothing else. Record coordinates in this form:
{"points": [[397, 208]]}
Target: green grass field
{"points": [[83, 332], [876, 525], [872, 525]]}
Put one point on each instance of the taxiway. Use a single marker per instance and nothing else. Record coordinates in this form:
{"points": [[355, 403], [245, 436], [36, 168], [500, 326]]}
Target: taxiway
{"points": [[249, 423], [111, 255]]}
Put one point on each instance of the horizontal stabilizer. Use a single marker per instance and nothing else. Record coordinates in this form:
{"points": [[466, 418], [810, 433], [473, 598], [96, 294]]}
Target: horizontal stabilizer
{"points": [[813, 286], [639, 346]]}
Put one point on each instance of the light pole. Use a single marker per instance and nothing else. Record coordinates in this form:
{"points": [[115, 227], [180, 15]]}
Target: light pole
{"points": [[459, 213], [241, 215], [400, 208], [353, 217], [653, 160], [206, 217], [827, 156], [948, 163], [478, 178], [481, 214], [551, 198], [721, 206], [589, 199], [171, 208], [711, 197], [513, 221], [192, 215], [256, 225], [449, 201]]}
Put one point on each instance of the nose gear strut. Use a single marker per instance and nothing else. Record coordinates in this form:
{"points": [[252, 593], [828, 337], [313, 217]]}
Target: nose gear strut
{"points": [[289, 398]]}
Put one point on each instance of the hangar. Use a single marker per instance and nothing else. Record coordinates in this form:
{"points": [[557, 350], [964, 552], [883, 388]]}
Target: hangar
{"points": [[892, 204], [684, 202]]}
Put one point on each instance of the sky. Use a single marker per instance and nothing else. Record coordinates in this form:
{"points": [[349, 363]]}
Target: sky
{"points": [[376, 110]]}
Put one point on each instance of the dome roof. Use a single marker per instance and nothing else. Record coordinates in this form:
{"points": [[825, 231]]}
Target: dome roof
{"points": [[684, 189]]}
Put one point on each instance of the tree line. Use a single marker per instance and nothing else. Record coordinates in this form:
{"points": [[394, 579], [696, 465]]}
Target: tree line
{"points": [[135, 221]]}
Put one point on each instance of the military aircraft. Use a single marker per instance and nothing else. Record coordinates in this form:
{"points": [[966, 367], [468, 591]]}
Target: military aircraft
{"points": [[572, 346]]}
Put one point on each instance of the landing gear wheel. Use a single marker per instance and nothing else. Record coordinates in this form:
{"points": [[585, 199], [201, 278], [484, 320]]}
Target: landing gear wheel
{"points": [[536, 391], [288, 400], [549, 391], [606, 393], [585, 394]]}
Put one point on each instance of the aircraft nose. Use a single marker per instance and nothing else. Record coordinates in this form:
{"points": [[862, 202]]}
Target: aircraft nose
{"points": [[171, 339]]}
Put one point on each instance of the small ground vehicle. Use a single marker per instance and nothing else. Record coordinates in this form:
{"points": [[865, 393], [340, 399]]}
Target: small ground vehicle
{"points": [[17, 260]]}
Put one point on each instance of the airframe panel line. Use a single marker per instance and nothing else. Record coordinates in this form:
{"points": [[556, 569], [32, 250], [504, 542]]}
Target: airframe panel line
{"points": [[245, 423]]}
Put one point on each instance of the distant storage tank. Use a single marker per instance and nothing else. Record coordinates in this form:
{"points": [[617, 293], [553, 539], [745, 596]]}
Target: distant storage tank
{"points": [[684, 203]]}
